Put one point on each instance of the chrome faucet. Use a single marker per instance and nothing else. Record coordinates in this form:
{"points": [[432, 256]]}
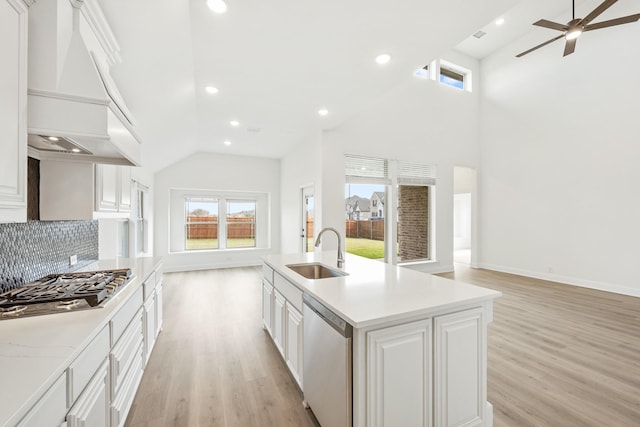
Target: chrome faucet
{"points": [[340, 257]]}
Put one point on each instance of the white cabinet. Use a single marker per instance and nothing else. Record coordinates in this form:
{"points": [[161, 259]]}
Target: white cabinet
{"points": [[399, 378], [152, 311], [279, 317], [281, 306], [77, 191], [92, 408], [113, 188], [460, 369], [50, 409], [295, 330], [13, 105], [267, 306]]}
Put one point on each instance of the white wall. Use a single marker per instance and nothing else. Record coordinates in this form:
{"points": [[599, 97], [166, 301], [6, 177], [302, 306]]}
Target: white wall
{"points": [[421, 121], [209, 171], [299, 168], [559, 155]]}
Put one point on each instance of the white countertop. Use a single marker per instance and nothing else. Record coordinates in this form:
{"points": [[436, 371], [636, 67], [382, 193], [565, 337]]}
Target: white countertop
{"points": [[375, 292], [35, 351]]}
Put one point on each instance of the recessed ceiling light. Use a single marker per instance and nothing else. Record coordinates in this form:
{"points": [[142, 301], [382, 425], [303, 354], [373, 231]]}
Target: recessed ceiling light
{"points": [[234, 123], [227, 142], [323, 111], [499, 21], [383, 58], [217, 6], [212, 90], [75, 150], [53, 138]]}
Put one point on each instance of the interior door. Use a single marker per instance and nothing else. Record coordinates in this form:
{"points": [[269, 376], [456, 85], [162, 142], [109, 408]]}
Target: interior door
{"points": [[307, 219]]}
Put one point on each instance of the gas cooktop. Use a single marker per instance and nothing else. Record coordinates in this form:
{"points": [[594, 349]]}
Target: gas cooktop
{"points": [[59, 293]]}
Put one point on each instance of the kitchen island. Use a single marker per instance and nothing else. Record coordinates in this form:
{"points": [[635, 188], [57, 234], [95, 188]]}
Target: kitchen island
{"points": [[419, 341], [82, 367]]}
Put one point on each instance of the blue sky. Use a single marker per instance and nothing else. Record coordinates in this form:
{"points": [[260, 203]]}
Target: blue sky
{"points": [[362, 190]]}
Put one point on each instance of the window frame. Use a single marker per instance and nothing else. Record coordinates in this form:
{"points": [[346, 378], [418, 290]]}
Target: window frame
{"points": [[188, 223], [227, 222]]}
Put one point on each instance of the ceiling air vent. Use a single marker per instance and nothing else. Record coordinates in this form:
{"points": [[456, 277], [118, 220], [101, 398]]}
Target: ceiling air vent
{"points": [[479, 34]]}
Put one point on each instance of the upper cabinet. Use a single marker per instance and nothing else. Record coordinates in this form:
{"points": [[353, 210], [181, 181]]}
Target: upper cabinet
{"points": [[13, 107], [83, 191]]}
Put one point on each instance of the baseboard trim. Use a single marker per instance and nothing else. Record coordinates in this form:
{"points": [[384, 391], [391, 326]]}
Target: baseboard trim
{"points": [[591, 284]]}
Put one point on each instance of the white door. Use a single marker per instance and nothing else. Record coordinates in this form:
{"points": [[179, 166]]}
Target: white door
{"points": [[307, 219]]}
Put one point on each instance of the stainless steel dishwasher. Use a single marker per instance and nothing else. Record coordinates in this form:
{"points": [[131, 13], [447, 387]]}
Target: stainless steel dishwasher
{"points": [[327, 364]]}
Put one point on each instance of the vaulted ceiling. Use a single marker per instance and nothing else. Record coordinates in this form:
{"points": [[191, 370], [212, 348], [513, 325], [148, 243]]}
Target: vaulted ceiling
{"points": [[277, 62]]}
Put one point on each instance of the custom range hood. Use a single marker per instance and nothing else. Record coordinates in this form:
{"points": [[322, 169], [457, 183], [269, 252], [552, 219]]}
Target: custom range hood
{"points": [[75, 111]]}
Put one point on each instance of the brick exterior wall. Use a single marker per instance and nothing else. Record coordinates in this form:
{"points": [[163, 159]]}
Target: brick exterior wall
{"points": [[413, 222]]}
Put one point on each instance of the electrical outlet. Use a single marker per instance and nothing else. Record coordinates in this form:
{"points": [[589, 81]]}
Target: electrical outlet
{"points": [[73, 259]]}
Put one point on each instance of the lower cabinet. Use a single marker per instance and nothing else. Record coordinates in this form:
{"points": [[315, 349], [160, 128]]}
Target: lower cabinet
{"points": [[283, 320], [295, 330], [267, 306], [430, 372], [399, 375], [279, 318], [460, 369], [51, 408], [92, 408]]}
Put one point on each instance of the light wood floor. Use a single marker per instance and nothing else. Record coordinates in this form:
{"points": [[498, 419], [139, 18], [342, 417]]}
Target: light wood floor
{"points": [[213, 364], [559, 356]]}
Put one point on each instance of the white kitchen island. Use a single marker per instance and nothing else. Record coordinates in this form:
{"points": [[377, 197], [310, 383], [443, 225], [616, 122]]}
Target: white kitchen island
{"points": [[419, 341]]}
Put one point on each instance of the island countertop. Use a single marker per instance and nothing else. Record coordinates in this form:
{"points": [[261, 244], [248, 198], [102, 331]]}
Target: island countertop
{"points": [[375, 292], [35, 351]]}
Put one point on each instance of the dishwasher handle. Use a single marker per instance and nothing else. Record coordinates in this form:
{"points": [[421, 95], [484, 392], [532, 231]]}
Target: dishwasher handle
{"points": [[335, 321]]}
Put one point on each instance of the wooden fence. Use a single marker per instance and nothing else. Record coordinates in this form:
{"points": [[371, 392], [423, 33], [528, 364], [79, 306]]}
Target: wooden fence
{"points": [[237, 227], [362, 229]]}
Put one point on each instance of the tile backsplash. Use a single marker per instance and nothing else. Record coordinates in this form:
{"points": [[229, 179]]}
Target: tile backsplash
{"points": [[34, 249]]}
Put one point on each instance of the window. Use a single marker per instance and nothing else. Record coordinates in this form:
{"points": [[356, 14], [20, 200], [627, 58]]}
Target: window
{"points": [[201, 223], [209, 220], [455, 76], [241, 224], [368, 183]]}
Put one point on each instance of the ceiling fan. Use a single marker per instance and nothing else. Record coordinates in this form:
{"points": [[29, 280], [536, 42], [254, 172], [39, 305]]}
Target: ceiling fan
{"points": [[572, 30]]}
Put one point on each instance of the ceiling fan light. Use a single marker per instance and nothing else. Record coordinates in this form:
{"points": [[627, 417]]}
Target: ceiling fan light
{"points": [[573, 34]]}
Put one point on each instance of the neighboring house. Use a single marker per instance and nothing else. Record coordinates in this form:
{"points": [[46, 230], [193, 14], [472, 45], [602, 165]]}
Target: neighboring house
{"points": [[358, 208], [377, 205]]}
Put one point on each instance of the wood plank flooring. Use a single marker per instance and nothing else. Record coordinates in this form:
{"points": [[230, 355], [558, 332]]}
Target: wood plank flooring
{"points": [[559, 356], [213, 364]]}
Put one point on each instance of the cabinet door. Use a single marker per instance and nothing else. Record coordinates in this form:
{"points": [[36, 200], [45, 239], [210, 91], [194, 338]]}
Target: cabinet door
{"points": [[399, 375], [107, 188], [13, 105], [124, 195], [149, 326], [51, 408], [294, 344], [460, 369], [279, 317], [92, 407], [267, 306]]}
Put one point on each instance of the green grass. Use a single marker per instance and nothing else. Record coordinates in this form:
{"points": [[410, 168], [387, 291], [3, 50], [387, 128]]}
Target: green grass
{"points": [[372, 249], [196, 244]]}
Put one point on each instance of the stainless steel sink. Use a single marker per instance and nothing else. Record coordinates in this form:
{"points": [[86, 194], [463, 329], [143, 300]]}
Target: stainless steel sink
{"points": [[314, 271]]}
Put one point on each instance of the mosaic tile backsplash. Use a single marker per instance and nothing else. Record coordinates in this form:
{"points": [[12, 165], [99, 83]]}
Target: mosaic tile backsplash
{"points": [[34, 249]]}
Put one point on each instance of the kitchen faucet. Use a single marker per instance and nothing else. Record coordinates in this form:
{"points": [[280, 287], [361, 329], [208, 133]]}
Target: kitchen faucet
{"points": [[340, 257]]}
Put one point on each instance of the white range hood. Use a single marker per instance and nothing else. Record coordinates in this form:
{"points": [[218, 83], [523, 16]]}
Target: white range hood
{"points": [[71, 96]]}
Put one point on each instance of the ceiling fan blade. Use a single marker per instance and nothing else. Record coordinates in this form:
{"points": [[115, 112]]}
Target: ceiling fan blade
{"points": [[552, 25], [540, 45], [597, 11], [610, 23], [569, 47]]}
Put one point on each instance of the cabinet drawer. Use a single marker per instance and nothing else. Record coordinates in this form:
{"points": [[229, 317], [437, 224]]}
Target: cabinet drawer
{"points": [[85, 365], [267, 273], [289, 291], [124, 352], [149, 285], [124, 316], [121, 404], [92, 408], [51, 409]]}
